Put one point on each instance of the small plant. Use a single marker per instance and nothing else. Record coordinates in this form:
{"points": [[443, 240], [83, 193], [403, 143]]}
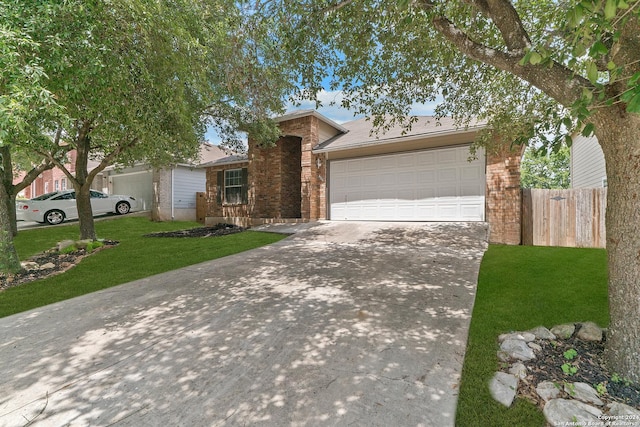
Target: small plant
{"points": [[94, 245], [570, 354], [616, 378], [571, 389], [601, 388], [68, 249], [569, 369]]}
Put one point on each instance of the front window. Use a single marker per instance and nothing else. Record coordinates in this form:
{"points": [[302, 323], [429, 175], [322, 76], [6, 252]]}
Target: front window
{"points": [[63, 184], [56, 185], [233, 186]]}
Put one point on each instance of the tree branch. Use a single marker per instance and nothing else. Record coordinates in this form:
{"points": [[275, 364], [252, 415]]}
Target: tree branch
{"points": [[506, 18], [559, 82], [109, 158]]}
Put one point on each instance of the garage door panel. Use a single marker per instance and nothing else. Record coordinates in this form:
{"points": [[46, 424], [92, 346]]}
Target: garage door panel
{"points": [[447, 156], [429, 185], [427, 176]]}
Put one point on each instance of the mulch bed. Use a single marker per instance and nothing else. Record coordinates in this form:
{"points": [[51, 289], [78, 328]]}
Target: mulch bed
{"points": [[61, 261], [217, 230], [591, 369]]}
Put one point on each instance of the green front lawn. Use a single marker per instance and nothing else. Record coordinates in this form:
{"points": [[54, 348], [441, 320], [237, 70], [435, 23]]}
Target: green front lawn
{"points": [[519, 288], [134, 258]]}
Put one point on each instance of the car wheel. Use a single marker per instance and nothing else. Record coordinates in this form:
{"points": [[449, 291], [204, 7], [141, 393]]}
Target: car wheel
{"points": [[122, 208], [54, 217]]}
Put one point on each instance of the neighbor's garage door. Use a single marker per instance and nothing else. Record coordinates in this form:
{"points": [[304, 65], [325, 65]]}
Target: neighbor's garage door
{"points": [[138, 185], [430, 185]]}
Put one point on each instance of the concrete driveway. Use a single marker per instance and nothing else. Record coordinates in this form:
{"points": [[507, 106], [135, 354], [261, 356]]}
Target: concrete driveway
{"points": [[341, 324]]}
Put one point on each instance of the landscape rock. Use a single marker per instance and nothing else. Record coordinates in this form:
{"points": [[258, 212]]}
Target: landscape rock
{"points": [[65, 244], [563, 412], [535, 347], [583, 392], [517, 349], [563, 331], [548, 390], [620, 411], [503, 388], [589, 331], [30, 265], [522, 336], [518, 370], [542, 333], [503, 356], [47, 266]]}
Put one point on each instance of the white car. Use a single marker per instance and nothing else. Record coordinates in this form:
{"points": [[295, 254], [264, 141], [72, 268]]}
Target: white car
{"points": [[53, 208]]}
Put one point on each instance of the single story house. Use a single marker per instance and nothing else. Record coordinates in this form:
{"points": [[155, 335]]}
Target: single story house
{"points": [[169, 192], [587, 166], [320, 170]]}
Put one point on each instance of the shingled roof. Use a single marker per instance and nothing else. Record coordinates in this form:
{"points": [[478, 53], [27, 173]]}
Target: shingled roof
{"points": [[361, 133]]}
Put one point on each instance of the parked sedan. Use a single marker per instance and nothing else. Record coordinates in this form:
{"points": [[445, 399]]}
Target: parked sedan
{"points": [[53, 208]]}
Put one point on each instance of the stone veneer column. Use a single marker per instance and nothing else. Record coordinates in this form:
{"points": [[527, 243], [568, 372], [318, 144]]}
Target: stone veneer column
{"points": [[504, 197]]}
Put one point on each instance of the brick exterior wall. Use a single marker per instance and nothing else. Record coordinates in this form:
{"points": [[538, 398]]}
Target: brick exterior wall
{"points": [[504, 197], [222, 212], [275, 179], [285, 179]]}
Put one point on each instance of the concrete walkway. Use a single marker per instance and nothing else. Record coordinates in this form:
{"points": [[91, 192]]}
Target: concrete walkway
{"points": [[341, 324]]}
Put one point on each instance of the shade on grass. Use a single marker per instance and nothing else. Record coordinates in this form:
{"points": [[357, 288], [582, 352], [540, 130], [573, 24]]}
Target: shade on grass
{"points": [[134, 258], [521, 287]]}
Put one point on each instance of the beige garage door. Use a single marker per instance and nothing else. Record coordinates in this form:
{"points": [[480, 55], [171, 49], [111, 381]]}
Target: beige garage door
{"points": [[429, 185]]}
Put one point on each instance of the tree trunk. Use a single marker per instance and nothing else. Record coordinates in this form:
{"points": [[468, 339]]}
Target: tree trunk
{"points": [[619, 135], [7, 183], [82, 183], [11, 212], [9, 261], [85, 212]]}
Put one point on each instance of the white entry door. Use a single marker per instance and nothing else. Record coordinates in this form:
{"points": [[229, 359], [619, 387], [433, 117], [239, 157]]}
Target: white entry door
{"points": [[429, 185]]}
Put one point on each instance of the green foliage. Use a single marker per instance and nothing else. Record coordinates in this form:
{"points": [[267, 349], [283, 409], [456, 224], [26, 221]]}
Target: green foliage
{"points": [[134, 258], [569, 369], [546, 169], [68, 249], [92, 246], [518, 289], [531, 69], [135, 81], [570, 354]]}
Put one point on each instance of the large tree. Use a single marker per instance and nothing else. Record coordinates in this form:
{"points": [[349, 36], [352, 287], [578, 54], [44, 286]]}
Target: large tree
{"points": [[531, 68], [139, 79], [26, 110]]}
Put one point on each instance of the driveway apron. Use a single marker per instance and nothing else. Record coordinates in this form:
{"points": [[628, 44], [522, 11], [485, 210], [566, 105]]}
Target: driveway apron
{"points": [[340, 324]]}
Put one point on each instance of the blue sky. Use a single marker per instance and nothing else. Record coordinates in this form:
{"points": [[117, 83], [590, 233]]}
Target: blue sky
{"points": [[334, 112]]}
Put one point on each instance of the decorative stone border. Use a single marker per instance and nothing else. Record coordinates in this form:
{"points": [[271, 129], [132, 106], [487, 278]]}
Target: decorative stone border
{"points": [[566, 403]]}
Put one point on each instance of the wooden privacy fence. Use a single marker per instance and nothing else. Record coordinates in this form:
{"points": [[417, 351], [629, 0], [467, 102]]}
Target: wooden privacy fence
{"points": [[573, 218]]}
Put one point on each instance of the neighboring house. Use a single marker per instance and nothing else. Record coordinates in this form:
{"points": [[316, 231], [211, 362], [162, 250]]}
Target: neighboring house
{"points": [[588, 168], [169, 192], [320, 169], [54, 179]]}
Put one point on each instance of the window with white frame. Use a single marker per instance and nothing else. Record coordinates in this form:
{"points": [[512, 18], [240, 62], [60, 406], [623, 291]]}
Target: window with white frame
{"points": [[233, 186], [56, 185], [63, 184]]}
